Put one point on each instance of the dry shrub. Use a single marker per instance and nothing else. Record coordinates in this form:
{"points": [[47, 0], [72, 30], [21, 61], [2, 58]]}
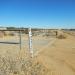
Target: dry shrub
{"points": [[61, 36], [11, 34], [9, 65]]}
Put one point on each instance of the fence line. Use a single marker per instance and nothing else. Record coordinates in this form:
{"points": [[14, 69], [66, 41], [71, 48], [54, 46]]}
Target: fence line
{"points": [[14, 42]]}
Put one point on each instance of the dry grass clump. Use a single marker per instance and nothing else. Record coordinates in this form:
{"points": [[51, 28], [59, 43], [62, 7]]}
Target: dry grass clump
{"points": [[61, 36], [10, 66], [11, 34]]}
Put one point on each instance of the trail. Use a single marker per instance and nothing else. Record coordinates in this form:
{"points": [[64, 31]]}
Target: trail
{"points": [[59, 58]]}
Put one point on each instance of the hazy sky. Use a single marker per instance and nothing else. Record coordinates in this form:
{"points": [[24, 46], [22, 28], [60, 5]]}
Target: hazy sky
{"points": [[38, 13]]}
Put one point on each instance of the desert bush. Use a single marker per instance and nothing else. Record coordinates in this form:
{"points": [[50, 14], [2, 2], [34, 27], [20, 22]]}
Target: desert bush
{"points": [[8, 66], [61, 36], [11, 34]]}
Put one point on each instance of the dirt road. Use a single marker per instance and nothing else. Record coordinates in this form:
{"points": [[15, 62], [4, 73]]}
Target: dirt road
{"points": [[59, 58]]}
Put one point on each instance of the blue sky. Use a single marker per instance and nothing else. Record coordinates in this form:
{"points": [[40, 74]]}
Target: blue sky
{"points": [[38, 13]]}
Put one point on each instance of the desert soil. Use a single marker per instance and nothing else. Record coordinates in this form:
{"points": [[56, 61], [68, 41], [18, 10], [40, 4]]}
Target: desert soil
{"points": [[59, 58]]}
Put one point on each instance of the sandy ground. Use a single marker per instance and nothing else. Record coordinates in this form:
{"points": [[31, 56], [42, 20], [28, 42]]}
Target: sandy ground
{"points": [[59, 58], [57, 55]]}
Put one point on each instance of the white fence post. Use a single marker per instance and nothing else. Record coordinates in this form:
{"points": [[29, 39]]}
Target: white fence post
{"points": [[20, 39], [30, 42]]}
